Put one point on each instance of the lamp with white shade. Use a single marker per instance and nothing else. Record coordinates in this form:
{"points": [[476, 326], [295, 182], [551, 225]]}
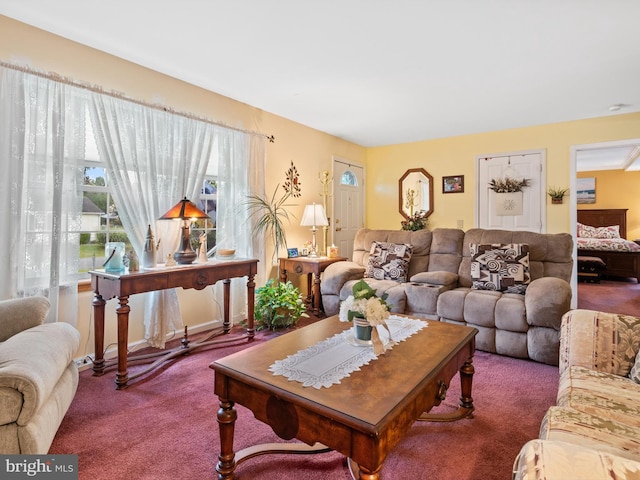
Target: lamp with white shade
{"points": [[313, 217]]}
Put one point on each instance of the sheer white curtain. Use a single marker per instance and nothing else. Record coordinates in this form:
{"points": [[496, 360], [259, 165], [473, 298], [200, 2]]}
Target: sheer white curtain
{"points": [[154, 159], [241, 172], [41, 144]]}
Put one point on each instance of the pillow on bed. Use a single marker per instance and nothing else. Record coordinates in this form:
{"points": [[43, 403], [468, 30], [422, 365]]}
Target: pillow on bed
{"points": [[587, 231]]}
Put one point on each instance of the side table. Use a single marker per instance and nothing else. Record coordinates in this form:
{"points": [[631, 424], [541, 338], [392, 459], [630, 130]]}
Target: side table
{"points": [[311, 266]]}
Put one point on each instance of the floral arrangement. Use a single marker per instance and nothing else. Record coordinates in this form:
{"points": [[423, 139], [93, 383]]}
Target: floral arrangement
{"points": [[508, 184], [417, 221], [365, 304]]}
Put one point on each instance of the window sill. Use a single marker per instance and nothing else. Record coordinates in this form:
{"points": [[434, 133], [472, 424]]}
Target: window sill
{"points": [[84, 286]]}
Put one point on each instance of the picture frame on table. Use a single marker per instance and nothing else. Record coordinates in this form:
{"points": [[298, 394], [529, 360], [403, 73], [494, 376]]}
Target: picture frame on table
{"points": [[453, 184], [292, 252]]}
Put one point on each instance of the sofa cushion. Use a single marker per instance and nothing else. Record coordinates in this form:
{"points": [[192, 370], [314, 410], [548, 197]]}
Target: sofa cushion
{"points": [[435, 278], [569, 425], [600, 394], [388, 261], [601, 341], [501, 267]]}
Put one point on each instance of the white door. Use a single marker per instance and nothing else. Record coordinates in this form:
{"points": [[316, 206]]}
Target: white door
{"points": [[348, 204], [530, 165]]}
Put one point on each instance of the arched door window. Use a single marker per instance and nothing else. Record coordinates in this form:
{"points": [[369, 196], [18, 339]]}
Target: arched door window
{"points": [[349, 178]]}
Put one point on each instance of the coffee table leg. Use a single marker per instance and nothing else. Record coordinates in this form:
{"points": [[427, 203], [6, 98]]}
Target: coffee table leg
{"points": [[360, 473], [465, 409], [227, 416]]}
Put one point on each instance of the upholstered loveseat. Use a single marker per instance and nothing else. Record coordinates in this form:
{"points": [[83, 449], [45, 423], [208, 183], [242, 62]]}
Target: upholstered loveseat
{"points": [[594, 430], [438, 284], [38, 377]]}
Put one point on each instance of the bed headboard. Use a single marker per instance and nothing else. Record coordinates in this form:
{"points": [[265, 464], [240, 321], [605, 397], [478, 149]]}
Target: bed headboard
{"points": [[605, 217]]}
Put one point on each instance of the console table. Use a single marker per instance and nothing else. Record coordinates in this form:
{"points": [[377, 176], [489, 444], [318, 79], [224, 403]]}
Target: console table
{"points": [[311, 266], [107, 285]]}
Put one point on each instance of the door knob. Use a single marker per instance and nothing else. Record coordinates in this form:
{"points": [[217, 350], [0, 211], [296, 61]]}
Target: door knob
{"points": [[338, 229]]}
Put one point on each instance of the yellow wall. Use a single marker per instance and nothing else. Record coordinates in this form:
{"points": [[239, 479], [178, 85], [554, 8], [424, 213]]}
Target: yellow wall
{"points": [[457, 156], [617, 189]]}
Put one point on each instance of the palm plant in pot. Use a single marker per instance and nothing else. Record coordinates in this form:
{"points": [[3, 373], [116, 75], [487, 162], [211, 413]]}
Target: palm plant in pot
{"points": [[278, 305], [271, 213]]}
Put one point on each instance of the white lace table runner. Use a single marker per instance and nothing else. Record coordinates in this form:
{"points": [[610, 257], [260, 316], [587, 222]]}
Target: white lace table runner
{"points": [[327, 362]]}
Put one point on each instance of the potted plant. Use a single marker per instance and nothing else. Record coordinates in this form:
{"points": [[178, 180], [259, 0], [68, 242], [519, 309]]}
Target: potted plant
{"points": [[278, 305], [272, 212], [557, 194]]}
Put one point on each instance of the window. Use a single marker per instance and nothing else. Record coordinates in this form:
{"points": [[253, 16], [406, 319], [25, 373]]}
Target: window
{"points": [[208, 203], [349, 178]]}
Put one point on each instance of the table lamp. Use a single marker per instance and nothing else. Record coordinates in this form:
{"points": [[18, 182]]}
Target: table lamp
{"points": [[185, 210], [313, 217]]}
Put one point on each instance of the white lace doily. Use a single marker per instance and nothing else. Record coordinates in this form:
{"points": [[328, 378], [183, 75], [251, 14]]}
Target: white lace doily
{"points": [[327, 362]]}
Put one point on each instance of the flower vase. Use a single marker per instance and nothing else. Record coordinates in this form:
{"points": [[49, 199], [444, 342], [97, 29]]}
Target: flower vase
{"points": [[362, 329]]}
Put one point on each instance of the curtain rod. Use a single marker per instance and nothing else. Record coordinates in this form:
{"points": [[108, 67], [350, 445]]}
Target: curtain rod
{"points": [[97, 89]]}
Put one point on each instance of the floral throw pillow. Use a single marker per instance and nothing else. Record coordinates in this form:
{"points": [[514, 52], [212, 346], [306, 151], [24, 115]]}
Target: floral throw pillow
{"points": [[500, 267], [389, 261], [587, 231]]}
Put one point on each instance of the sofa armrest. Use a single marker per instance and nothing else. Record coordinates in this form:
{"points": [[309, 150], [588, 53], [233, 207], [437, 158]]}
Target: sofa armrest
{"points": [[20, 314], [546, 300], [604, 342], [32, 362], [339, 273], [558, 460]]}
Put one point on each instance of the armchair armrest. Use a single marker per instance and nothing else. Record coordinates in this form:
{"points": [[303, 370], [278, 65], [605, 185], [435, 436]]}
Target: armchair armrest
{"points": [[604, 342], [20, 314], [32, 362], [546, 300], [339, 273]]}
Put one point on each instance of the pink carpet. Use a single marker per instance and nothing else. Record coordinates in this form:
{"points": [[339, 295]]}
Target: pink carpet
{"points": [[164, 427]]}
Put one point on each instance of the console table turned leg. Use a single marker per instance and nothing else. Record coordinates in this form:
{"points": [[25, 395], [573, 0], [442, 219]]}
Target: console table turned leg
{"points": [[122, 377], [98, 327]]}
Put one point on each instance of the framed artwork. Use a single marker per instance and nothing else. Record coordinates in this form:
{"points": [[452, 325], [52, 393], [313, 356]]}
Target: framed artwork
{"points": [[586, 190], [292, 252], [453, 184]]}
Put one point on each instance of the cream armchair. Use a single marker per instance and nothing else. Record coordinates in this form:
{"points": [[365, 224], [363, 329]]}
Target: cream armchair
{"points": [[38, 377]]}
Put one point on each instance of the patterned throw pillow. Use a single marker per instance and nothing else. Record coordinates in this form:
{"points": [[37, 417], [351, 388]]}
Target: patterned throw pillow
{"points": [[501, 267], [587, 231], [389, 261]]}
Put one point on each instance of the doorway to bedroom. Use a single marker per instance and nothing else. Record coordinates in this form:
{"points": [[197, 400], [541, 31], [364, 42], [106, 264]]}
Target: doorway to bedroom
{"points": [[612, 172]]}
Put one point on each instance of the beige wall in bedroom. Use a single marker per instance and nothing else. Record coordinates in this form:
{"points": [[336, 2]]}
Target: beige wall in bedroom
{"points": [[310, 150]]}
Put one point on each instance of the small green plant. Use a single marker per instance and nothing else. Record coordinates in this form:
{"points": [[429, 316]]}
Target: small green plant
{"points": [[556, 193], [278, 305], [508, 184]]}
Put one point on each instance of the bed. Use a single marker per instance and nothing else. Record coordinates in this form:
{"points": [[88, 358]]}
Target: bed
{"points": [[621, 256]]}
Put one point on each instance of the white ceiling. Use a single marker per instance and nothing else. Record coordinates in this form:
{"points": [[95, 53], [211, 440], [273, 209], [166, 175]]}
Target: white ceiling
{"points": [[377, 72]]}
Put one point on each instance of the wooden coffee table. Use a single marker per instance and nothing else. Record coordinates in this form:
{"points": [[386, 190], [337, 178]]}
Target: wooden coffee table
{"points": [[364, 416]]}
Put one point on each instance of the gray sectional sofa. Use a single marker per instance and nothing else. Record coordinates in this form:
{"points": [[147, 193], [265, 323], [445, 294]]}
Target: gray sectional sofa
{"points": [[439, 285]]}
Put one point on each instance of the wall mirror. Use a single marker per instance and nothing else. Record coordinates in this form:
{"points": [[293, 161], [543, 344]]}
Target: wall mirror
{"points": [[416, 193]]}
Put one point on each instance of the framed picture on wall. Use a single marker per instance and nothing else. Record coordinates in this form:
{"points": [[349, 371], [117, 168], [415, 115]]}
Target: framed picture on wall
{"points": [[586, 190], [453, 184]]}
